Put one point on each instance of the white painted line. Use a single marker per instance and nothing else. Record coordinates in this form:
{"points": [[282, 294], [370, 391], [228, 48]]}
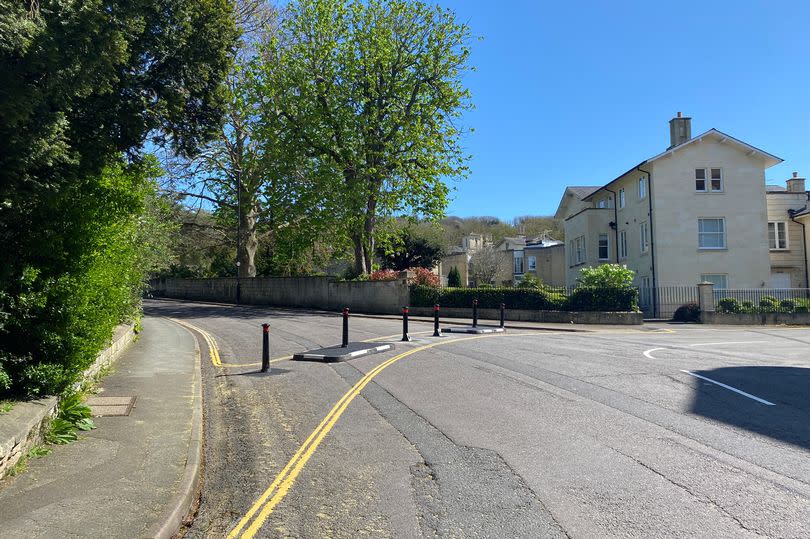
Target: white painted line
{"points": [[648, 353], [734, 389], [728, 342]]}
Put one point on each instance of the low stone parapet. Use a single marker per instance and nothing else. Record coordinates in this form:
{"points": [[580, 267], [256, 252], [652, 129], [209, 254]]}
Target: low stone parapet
{"points": [[525, 315], [755, 319]]}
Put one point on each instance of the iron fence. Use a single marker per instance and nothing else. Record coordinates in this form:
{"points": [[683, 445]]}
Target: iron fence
{"points": [[762, 300], [663, 301]]}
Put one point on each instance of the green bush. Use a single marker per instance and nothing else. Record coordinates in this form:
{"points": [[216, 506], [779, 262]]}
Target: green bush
{"points": [[768, 304], [747, 307], [582, 299], [787, 305], [606, 276], [687, 313], [530, 282], [729, 305], [454, 278]]}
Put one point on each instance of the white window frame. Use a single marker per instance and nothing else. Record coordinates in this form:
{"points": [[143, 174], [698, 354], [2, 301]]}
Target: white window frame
{"points": [[716, 278], [518, 258], [622, 244], [777, 236], [722, 233], [642, 188], [578, 251], [621, 198], [607, 246], [708, 179], [644, 237], [532, 263]]}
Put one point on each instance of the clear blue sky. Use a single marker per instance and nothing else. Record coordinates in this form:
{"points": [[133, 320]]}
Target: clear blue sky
{"points": [[575, 93]]}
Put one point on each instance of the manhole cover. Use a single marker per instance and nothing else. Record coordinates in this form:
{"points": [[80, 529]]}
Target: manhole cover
{"points": [[110, 406]]}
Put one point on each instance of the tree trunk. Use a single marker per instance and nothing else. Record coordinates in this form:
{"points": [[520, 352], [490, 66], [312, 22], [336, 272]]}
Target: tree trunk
{"points": [[249, 243]]}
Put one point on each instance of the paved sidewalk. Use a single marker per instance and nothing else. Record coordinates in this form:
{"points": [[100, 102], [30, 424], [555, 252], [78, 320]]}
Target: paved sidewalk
{"points": [[133, 476]]}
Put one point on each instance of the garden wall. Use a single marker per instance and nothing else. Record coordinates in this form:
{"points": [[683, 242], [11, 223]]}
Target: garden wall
{"points": [[526, 315], [374, 297], [755, 319]]}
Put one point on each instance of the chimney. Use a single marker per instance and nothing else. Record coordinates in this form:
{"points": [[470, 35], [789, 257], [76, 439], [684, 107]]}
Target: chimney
{"points": [[680, 130], [795, 184]]}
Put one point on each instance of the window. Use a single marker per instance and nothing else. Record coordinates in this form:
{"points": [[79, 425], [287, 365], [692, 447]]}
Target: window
{"points": [[577, 251], [712, 233], [621, 198], [644, 237], [777, 235], [602, 203], [720, 280], [532, 263], [604, 247], [642, 188], [518, 262], [622, 244], [714, 177], [571, 253]]}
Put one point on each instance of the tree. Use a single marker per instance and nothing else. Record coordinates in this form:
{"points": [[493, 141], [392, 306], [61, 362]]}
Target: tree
{"points": [[411, 247], [454, 278], [485, 264], [85, 85], [371, 93]]}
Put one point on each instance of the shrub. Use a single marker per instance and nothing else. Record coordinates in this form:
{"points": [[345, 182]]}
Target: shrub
{"points": [[768, 304], [530, 282], [589, 298], [606, 276], [384, 275], [687, 313], [454, 277], [787, 305], [729, 305], [424, 277]]}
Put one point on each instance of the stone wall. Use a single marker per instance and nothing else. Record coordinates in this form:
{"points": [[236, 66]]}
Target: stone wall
{"points": [[755, 319], [524, 315], [373, 297], [24, 426]]}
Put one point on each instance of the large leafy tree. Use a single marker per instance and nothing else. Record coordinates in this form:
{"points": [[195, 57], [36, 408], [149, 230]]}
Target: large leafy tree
{"points": [[84, 86], [415, 245], [369, 93]]}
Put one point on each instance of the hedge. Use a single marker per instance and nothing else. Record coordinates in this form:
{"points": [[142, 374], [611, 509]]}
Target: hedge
{"points": [[580, 299]]}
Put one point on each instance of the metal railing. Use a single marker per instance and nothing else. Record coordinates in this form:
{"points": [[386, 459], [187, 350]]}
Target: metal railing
{"points": [[762, 300]]}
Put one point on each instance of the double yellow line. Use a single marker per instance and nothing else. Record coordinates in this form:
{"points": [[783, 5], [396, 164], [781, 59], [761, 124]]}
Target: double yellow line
{"points": [[278, 489], [209, 340]]}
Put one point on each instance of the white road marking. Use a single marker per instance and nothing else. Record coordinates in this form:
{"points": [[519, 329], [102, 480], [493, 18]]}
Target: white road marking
{"points": [[648, 353], [734, 389], [727, 342]]}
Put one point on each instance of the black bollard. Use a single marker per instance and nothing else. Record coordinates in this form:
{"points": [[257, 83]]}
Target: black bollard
{"points": [[475, 313], [345, 328], [265, 347], [503, 314], [436, 332], [405, 336]]}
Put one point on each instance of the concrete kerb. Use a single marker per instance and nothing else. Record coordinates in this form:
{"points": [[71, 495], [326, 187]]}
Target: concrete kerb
{"points": [[189, 491]]}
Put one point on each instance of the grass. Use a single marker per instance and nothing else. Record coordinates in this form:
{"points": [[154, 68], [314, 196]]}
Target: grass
{"points": [[34, 453], [5, 407]]}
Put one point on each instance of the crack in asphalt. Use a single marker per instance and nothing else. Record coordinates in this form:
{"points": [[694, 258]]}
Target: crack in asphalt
{"points": [[696, 495], [459, 490]]}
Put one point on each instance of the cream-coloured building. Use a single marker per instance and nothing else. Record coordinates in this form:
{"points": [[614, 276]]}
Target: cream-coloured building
{"points": [[788, 233], [695, 212]]}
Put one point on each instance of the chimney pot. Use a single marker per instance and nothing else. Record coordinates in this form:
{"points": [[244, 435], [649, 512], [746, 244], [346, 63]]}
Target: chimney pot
{"points": [[795, 174], [680, 115]]}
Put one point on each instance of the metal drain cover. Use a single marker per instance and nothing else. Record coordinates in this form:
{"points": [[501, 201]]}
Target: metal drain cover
{"points": [[110, 406]]}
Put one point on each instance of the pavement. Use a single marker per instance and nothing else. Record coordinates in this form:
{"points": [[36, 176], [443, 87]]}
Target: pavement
{"points": [[133, 476]]}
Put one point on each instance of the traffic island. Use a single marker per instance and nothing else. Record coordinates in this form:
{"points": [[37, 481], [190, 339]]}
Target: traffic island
{"points": [[475, 329], [352, 350]]}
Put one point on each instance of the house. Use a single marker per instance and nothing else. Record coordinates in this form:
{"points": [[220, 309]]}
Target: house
{"points": [[459, 257], [788, 217], [695, 212], [545, 259]]}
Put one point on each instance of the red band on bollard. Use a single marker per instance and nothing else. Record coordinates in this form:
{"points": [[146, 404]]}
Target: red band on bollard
{"points": [[435, 307], [266, 328], [405, 310]]}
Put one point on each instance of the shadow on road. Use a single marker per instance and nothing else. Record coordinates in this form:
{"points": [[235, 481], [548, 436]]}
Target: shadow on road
{"points": [[787, 387], [187, 310]]}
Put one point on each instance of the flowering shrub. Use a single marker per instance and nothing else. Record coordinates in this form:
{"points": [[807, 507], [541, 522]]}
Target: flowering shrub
{"points": [[424, 277], [384, 275]]}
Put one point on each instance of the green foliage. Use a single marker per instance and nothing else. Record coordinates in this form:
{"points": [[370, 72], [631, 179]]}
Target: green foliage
{"points": [[602, 298], [689, 312], [73, 416], [453, 278], [530, 282], [6, 407], [412, 246], [787, 306], [35, 452], [90, 278], [606, 276], [366, 96], [728, 305]]}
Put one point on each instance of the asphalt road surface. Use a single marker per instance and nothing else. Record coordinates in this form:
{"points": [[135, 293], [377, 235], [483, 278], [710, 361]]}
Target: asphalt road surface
{"points": [[660, 431]]}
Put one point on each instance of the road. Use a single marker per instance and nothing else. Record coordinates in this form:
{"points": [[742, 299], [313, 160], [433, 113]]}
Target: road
{"points": [[659, 431]]}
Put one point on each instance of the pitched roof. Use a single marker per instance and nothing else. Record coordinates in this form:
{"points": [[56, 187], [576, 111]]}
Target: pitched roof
{"points": [[583, 191], [770, 159], [774, 189]]}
